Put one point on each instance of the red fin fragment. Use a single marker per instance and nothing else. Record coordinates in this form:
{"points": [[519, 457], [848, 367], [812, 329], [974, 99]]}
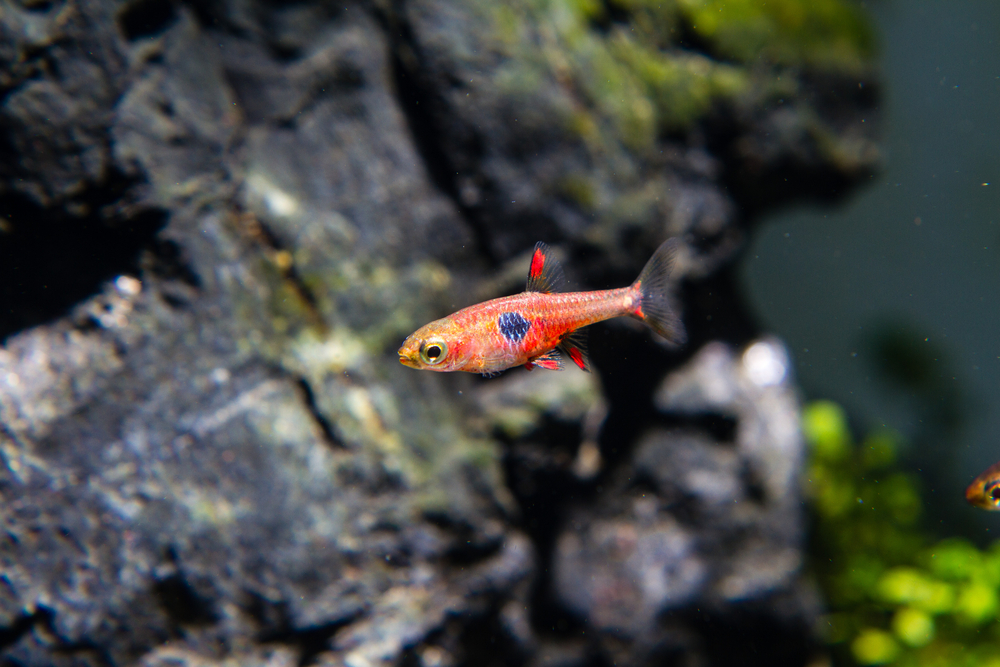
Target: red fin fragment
{"points": [[551, 361], [545, 274], [537, 263], [528, 365]]}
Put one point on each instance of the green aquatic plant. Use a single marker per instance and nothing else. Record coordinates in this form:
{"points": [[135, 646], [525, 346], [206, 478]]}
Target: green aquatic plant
{"points": [[895, 596]]}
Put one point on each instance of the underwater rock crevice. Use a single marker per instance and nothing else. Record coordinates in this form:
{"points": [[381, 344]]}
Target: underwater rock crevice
{"points": [[326, 426], [720, 427], [183, 605], [168, 260], [40, 627], [310, 642], [424, 106], [139, 19], [53, 258], [276, 251], [11, 634]]}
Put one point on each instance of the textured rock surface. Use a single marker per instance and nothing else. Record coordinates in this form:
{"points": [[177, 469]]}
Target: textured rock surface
{"points": [[219, 220], [705, 515]]}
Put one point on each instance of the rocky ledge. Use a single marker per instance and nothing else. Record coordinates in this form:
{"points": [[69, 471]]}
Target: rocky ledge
{"points": [[219, 220]]}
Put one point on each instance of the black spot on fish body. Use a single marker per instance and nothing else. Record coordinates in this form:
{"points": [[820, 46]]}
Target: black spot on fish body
{"points": [[513, 326]]}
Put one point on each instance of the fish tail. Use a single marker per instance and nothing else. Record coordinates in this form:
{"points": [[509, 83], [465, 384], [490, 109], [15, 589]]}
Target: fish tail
{"points": [[653, 305]]}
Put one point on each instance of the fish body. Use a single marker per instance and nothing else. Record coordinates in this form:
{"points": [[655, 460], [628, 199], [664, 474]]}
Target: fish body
{"points": [[984, 492], [536, 327]]}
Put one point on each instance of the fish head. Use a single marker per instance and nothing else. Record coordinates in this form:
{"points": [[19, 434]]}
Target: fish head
{"points": [[438, 346], [984, 492]]}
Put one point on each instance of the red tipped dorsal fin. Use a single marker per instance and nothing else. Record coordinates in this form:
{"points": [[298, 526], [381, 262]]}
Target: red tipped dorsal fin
{"points": [[653, 289], [544, 274], [551, 361], [575, 347]]}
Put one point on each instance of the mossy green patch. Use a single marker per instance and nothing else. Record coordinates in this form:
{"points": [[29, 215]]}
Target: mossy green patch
{"points": [[831, 34], [634, 69], [680, 87], [626, 75]]}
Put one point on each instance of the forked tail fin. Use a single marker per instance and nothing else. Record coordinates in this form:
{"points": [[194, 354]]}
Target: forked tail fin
{"points": [[653, 286]]}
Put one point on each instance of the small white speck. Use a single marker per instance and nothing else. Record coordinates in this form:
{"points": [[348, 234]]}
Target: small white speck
{"points": [[127, 285]]}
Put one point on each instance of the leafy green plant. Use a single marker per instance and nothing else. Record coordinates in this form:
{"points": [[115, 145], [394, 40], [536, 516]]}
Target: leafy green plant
{"points": [[894, 595]]}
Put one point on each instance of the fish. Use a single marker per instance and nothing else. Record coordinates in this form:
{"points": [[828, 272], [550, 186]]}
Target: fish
{"points": [[984, 492], [538, 326]]}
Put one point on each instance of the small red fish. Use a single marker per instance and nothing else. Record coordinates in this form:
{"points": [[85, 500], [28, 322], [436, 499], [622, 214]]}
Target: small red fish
{"points": [[984, 492], [536, 327]]}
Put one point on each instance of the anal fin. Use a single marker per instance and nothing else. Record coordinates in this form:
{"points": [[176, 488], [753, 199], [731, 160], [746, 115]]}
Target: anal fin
{"points": [[551, 361], [575, 347]]}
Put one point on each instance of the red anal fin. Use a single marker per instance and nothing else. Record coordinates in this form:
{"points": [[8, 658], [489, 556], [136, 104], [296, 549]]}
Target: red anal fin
{"points": [[575, 347], [551, 361], [545, 273]]}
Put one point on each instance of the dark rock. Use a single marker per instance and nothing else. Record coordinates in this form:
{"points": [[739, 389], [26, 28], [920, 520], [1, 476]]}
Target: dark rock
{"points": [[62, 70], [695, 524], [208, 452]]}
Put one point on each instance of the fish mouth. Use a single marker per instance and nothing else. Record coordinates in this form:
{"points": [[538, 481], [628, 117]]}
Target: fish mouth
{"points": [[406, 359]]}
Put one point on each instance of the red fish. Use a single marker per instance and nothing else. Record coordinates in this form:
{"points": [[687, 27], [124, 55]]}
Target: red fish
{"points": [[538, 326], [984, 491]]}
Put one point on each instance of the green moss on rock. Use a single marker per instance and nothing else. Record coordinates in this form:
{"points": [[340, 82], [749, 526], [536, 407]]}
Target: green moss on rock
{"points": [[830, 34], [639, 77]]}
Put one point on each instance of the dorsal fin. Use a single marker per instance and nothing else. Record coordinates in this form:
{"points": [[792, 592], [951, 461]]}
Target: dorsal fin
{"points": [[545, 274]]}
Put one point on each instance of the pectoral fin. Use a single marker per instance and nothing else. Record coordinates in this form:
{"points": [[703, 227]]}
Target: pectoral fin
{"points": [[551, 361]]}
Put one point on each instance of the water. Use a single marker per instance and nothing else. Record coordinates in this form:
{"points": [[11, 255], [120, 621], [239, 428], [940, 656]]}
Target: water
{"points": [[891, 302]]}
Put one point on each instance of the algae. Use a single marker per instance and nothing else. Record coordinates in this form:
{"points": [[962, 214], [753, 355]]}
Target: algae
{"points": [[630, 63], [829, 34]]}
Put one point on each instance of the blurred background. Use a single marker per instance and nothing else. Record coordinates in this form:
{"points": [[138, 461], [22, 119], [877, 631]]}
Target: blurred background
{"points": [[888, 301]]}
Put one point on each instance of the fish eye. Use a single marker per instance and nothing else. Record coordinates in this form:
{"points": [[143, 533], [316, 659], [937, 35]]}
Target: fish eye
{"points": [[433, 351], [994, 494]]}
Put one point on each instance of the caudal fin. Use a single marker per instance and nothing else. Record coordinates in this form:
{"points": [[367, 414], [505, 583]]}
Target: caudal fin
{"points": [[653, 285]]}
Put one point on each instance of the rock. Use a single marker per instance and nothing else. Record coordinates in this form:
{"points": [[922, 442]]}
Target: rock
{"points": [[705, 519], [219, 221]]}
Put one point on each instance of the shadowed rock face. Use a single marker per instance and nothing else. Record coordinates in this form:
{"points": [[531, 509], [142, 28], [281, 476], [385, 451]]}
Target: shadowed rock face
{"points": [[219, 221]]}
